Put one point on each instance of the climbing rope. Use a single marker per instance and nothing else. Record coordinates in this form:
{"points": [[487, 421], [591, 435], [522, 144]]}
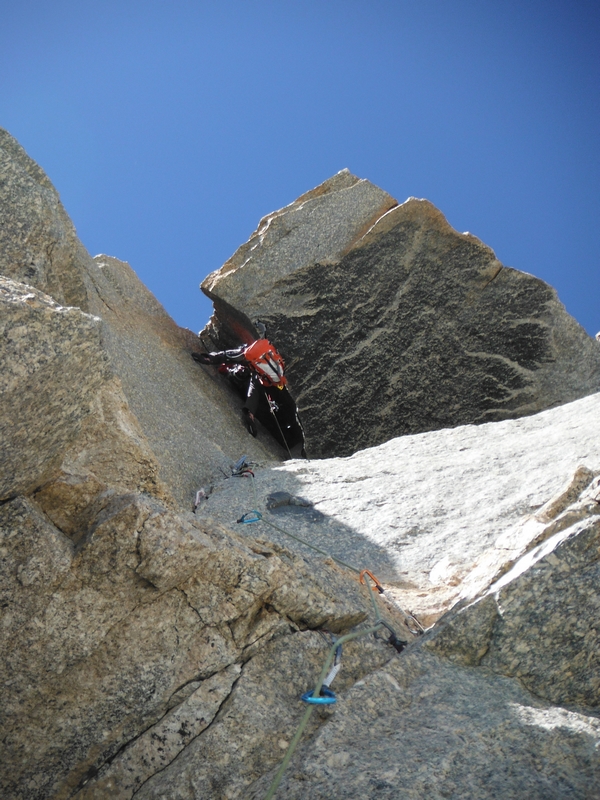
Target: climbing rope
{"points": [[256, 516], [243, 469], [272, 409], [321, 694]]}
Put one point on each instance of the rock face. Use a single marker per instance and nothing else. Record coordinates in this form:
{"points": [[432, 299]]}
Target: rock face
{"points": [[151, 652], [439, 515], [191, 425], [391, 322], [500, 699], [538, 622], [38, 243], [52, 367], [121, 611], [101, 638]]}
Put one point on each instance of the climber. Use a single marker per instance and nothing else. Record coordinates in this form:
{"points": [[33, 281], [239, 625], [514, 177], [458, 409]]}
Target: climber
{"points": [[256, 371]]}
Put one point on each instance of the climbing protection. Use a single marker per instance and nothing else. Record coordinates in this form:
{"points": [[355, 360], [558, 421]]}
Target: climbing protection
{"points": [[322, 694]]}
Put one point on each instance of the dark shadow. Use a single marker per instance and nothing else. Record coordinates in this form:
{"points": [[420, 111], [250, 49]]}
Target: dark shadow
{"points": [[277, 413], [235, 497]]}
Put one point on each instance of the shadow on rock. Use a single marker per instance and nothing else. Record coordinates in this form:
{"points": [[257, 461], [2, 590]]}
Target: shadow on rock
{"points": [[287, 519]]}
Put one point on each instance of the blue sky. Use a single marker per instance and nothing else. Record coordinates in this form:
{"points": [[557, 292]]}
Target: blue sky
{"points": [[171, 128]]}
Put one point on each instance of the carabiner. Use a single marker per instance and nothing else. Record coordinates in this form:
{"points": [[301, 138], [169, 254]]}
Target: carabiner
{"points": [[251, 516], [377, 588], [326, 698]]}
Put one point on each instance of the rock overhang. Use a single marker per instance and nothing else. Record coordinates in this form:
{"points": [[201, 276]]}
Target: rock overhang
{"points": [[393, 322]]}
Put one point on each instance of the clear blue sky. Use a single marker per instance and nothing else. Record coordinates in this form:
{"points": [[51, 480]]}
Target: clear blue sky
{"points": [[170, 127]]}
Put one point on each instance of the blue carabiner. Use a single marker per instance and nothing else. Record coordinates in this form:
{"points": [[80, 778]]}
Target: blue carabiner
{"points": [[248, 518], [326, 698]]}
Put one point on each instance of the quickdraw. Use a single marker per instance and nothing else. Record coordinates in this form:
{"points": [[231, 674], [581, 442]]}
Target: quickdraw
{"points": [[378, 587], [242, 468], [251, 516]]}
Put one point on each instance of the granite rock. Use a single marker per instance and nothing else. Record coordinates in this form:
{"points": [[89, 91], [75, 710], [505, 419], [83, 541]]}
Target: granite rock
{"points": [[38, 243], [187, 416], [102, 636], [539, 622], [437, 516], [391, 322], [423, 727], [499, 699], [321, 226], [191, 419], [150, 652], [53, 365], [256, 724], [158, 746], [110, 455]]}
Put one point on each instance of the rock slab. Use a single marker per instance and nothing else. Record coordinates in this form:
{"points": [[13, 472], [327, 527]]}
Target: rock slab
{"points": [[53, 365], [438, 515], [499, 700]]}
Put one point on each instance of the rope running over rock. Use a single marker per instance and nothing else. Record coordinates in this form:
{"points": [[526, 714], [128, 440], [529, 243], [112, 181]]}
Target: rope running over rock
{"points": [[242, 469]]}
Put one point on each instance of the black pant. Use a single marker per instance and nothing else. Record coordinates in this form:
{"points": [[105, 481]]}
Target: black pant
{"points": [[254, 395]]}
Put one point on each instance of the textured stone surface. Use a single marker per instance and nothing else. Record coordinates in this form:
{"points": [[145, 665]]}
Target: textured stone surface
{"points": [[460, 721], [111, 455], [540, 624], [150, 652], [192, 422], [437, 516], [506, 707], [38, 244], [399, 326], [157, 747], [422, 727], [52, 368], [252, 731], [319, 227], [100, 638], [546, 633], [582, 478]]}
